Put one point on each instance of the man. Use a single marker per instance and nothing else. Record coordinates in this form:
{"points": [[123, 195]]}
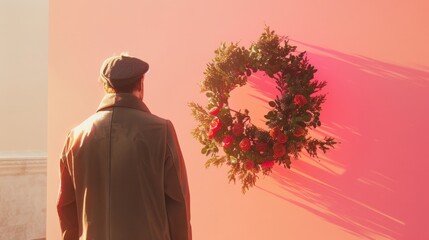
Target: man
{"points": [[123, 176]]}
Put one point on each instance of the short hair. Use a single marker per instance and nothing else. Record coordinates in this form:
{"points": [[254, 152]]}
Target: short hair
{"points": [[123, 89]]}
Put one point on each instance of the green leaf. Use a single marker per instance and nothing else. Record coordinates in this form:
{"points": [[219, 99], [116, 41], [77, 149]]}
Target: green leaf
{"points": [[248, 72], [208, 152], [306, 117]]}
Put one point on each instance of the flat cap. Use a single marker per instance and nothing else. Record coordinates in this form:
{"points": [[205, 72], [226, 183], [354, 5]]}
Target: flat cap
{"points": [[120, 71]]}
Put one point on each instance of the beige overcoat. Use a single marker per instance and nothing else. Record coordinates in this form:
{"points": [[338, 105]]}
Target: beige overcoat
{"points": [[123, 176]]}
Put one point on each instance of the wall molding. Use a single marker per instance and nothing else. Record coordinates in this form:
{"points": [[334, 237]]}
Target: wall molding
{"points": [[13, 163]]}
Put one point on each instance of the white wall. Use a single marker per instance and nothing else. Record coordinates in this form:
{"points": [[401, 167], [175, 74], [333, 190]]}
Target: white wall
{"points": [[23, 118], [23, 74]]}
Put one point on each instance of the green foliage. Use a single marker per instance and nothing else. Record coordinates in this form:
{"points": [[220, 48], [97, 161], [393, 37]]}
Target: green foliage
{"points": [[294, 78]]}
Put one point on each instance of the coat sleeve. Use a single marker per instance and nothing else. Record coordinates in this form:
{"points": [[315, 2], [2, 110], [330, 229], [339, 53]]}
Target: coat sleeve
{"points": [[66, 205], [177, 198]]}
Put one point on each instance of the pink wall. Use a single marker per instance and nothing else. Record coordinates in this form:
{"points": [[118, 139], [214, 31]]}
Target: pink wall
{"points": [[373, 55]]}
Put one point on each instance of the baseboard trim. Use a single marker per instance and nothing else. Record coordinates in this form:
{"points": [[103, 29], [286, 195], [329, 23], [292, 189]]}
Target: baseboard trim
{"points": [[22, 163]]}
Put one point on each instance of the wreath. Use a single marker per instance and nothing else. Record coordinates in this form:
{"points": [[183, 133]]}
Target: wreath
{"points": [[229, 137]]}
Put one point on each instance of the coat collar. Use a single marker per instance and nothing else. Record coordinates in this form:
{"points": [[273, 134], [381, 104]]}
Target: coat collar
{"points": [[126, 100]]}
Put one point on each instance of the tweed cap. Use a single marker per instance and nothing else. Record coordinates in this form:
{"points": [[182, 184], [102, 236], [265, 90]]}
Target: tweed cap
{"points": [[120, 71]]}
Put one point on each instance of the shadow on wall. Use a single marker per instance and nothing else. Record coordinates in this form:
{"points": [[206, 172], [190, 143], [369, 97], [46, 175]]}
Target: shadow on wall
{"points": [[371, 184]]}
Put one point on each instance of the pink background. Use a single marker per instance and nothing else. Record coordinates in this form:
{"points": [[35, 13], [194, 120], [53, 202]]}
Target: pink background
{"points": [[374, 56]]}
